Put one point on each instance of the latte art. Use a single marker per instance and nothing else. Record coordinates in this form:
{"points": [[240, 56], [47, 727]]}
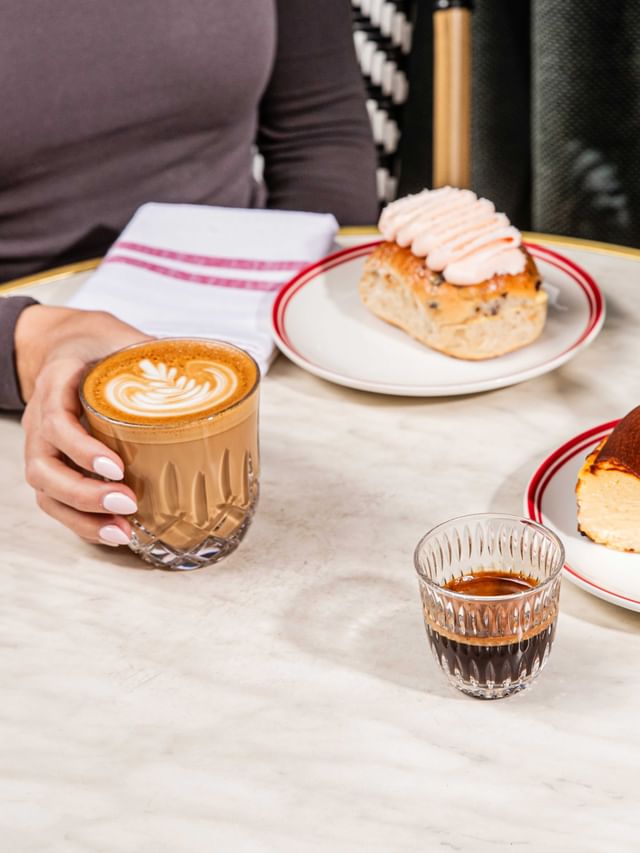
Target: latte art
{"points": [[156, 390], [170, 382]]}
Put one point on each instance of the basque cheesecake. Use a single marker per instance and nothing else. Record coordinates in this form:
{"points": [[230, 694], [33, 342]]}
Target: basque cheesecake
{"points": [[608, 488], [453, 273]]}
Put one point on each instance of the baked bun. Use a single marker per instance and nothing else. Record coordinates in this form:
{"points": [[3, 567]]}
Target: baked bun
{"points": [[608, 488], [485, 320], [453, 274]]}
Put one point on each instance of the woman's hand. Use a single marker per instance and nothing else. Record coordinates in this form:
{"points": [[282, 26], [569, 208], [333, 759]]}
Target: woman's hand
{"points": [[53, 347]]}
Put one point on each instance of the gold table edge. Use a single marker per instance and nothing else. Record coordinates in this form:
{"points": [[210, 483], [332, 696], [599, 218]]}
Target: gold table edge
{"points": [[50, 275]]}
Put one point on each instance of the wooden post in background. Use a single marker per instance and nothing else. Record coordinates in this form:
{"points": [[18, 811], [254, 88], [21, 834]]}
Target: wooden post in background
{"points": [[452, 93]]}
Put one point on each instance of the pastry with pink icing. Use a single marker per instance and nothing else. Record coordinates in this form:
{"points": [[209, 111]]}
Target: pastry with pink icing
{"points": [[453, 273]]}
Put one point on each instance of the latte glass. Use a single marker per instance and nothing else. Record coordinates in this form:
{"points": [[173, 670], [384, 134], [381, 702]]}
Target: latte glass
{"points": [[490, 646], [195, 475]]}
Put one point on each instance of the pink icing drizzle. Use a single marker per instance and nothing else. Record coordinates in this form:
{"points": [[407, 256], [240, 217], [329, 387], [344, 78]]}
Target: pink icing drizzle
{"points": [[459, 234]]}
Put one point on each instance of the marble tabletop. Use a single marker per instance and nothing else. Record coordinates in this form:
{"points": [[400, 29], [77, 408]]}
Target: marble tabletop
{"points": [[286, 699]]}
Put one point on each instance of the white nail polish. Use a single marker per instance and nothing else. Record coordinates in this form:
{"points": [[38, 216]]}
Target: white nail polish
{"points": [[106, 467], [119, 504], [111, 534]]}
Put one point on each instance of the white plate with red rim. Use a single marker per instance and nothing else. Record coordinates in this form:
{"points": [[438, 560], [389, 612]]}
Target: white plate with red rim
{"points": [[319, 322], [551, 500]]}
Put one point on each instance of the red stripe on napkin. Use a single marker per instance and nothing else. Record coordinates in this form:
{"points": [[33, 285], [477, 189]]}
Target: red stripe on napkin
{"points": [[196, 278], [212, 261]]}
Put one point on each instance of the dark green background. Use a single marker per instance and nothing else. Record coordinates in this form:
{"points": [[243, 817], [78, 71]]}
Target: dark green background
{"points": [[556, 114]]}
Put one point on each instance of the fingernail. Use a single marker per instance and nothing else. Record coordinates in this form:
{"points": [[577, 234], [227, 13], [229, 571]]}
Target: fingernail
{"points": [[119, 504], [106, 467], [111, 534]]}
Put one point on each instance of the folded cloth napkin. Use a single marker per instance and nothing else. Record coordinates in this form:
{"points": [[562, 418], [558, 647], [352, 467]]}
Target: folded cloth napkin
{"points": [[194, 271]]}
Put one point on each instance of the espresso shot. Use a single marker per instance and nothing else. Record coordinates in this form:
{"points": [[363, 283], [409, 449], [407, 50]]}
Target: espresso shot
{"points": [[492, 660], [183, 416], [490, 589]]}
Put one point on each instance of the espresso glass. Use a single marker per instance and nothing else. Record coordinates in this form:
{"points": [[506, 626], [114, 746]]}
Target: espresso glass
{"points": [[196, 481], [490, 646]]}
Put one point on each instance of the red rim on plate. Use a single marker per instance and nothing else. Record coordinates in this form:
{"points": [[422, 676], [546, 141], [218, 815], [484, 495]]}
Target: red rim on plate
{"points": [[306, 275], [579, 444], [586, 283]]}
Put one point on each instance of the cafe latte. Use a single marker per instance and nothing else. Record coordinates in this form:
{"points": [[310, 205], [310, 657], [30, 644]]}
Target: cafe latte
{"points": [[183, 416]]}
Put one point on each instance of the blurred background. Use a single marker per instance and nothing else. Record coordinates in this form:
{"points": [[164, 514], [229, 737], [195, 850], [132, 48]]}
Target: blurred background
{"points": [[555, 108]]}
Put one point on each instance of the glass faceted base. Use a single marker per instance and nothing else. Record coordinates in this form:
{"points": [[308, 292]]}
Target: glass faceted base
{"points": [[211, 550], [490, 672]]}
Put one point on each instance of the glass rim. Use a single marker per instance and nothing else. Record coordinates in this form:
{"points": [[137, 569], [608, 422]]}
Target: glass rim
{"points": [[465, 596], [174, 424]]}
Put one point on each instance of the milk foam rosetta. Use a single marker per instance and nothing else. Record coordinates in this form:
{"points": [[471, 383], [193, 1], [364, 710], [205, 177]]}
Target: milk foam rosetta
{"points": [[156, 390], [460, 235], [169, 380]]}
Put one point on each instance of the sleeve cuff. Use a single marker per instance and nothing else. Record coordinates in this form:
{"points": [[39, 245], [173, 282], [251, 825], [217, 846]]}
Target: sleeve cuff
{"points": [[10, 309]]}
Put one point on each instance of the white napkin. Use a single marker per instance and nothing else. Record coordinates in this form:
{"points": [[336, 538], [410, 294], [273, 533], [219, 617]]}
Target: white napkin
{"points": [[213, 272]]}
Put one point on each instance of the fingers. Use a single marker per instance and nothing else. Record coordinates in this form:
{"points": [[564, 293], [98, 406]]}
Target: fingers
{"points": [[56, 398], [48, 474], [105, 530], [57, 385], [90, 508], [62, 430]]}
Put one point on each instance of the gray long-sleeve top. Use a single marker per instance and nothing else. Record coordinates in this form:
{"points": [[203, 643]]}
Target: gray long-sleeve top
{"points": [[10, 310], [106, 106], [109, 105]]}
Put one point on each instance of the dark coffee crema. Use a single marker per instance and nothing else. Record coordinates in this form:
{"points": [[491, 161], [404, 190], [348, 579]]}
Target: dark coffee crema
{"points": [[168, 381], [491, 583]]}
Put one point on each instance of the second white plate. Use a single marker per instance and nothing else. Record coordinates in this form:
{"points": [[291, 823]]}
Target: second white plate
{"points": [[550, 499], [320, 323]]}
